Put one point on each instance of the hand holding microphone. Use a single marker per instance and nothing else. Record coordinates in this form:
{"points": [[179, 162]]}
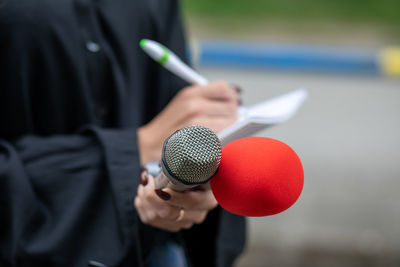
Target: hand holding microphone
{"points": [[176, 210], [190, 158]]}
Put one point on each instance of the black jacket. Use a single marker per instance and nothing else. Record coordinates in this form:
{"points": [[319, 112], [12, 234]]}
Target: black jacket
{"points": [[74, 87]]}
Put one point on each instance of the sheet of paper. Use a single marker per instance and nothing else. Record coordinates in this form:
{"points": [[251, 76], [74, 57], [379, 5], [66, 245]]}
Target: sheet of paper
{"points": [[264, 114]]}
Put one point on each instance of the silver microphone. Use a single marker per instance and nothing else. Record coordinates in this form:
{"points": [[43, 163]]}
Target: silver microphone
{"points": [[190, 157]]}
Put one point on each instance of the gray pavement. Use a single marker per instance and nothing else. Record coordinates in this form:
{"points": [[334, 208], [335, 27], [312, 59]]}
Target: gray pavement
{"points": [[348, 137]]}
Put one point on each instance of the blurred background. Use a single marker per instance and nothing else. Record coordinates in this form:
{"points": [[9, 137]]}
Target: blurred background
{"points": [[346, 53]]}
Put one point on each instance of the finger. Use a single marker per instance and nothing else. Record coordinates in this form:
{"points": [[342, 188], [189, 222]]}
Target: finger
{"points": [[189, 218], [152, 201], [149, 196], [142, 205], [216, 124], [151, 214], [192, 200], [219, 90], [159, 213], [139, 192], [216, 108], [194, 216], [172, 226], [140, 210], [200, 111], [178, 214], [168, 220]]}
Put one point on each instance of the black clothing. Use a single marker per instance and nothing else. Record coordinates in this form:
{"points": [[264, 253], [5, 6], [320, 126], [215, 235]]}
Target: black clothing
{"points": [[74, 87]]}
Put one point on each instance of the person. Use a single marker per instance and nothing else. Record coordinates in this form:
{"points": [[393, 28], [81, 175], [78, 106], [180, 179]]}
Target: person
{"points": [[82, 109]]}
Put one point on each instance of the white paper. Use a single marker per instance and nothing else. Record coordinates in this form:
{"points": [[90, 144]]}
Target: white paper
{"points": [[264, 114]]}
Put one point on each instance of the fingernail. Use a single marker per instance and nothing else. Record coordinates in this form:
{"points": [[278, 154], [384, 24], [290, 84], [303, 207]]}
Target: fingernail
{"points": [[162, 194], [143, 177]]}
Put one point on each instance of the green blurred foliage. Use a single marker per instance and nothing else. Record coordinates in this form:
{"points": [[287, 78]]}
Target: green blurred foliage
{"points": [[368, 11]]}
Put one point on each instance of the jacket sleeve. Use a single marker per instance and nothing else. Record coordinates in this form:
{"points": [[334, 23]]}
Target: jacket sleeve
{"points": [[65, 200]]}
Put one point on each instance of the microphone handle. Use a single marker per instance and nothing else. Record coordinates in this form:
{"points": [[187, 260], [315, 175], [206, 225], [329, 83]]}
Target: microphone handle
{"points": [[162, 181]]}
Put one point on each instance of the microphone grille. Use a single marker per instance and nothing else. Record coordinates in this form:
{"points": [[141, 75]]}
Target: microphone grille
{"points": [[191, 155]]}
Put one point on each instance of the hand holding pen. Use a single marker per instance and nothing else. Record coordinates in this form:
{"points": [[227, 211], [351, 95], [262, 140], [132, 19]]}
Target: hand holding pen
{"points": [[211, 104], [174, 64]]}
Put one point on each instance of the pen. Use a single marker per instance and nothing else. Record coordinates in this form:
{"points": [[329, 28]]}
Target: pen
{"points": [[171, 62]]}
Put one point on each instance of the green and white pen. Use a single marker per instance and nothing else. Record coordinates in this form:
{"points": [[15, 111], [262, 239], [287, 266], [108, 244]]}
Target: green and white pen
{"points": [[171, 62]]}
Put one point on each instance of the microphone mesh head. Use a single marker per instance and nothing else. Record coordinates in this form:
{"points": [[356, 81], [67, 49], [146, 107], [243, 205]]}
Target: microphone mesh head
{"points": [[191, 155]]}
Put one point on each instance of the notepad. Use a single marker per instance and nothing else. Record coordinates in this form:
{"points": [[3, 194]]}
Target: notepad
{"points": [[259, 116]]}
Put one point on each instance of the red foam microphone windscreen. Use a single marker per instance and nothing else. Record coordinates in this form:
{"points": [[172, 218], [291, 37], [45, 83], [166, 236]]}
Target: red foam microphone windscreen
{"points": [[258, 176]]}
